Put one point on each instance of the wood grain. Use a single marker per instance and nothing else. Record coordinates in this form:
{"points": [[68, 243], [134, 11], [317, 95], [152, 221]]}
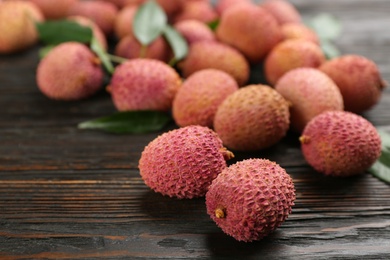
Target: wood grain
{"points": [[67, 193]]}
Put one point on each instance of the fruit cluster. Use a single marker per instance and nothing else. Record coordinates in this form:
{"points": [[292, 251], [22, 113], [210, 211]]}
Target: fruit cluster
{"points": [[211, 100]]}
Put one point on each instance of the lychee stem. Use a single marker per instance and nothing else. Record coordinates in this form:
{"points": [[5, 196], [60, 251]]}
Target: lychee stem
{"points": [[227, 155], [220, 212], [304, 139]]}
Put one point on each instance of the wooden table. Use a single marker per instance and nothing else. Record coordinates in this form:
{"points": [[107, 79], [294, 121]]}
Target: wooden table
{"points": [[70, 193]]}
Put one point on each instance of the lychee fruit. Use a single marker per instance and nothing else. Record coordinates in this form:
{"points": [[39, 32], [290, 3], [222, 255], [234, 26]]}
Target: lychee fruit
{"points": [[54, 9], [252, 118], [200, 95], [250, 29], [144, 84], [70, 71], [310, 93], [17, 25], [96, 31], [123, 24], [129, 47], [222, 5], [291, 54], [299, 31], [101, 12], [195, 31], [196, 10], [358, 79], [183, 162], [282, 10], [340, 143], [250, 199], [215, 55]]}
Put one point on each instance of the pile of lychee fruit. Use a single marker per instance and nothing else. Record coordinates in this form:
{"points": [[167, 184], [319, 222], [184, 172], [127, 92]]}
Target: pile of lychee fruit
{"points": [[210, 100]]}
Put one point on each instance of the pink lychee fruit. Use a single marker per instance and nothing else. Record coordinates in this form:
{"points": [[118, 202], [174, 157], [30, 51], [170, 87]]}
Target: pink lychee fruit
{"points": [[195, 31], [282, 10], [250, 199], [358, 79], [123, 24], [299, 31], [144, 84], [70, 71], [183, 162], [200, 95], [310, 92], [340, 143], [54, 9], [252, 118]]}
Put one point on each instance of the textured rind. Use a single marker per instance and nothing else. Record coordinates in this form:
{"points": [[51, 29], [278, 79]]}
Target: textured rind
{"points": [[340, 143], [215, 55], [144, 84], [310, 93], [299, 31], [252, 118], [250, 29], [197, 100], [358, 79], [291, 54], [283, 11], [70, 71], [17, 26], [195, 31], [256, 196], [183, 162]]}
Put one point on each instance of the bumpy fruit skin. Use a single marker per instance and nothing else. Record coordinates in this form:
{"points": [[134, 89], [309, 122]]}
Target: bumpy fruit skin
{"points": [[299, 31], [340, 143], [310, 93], [101, 12], [253, 118], [291, 54], [195, 31], [144, 84], [358, 79], [250, 199], [250, 29], [70, 71], [129, 47], [197, 100], [17, 25], [283, 11], [183, 162], [54, 9], [215, 55]]}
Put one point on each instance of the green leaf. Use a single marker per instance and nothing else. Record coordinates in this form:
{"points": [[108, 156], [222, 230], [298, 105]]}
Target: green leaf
{"points": [[177, 42], [326, 26], [129, 122], [149, 22], [329, 49], [102, 54], [381, 168], [56, 32], [213, 24]]}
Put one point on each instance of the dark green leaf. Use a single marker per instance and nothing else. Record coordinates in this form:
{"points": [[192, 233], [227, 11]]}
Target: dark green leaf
{"points": [[329, 49], [102, 54], [213, 24], [45, 50], [326, 26], [178, 44], [56, 32], [129, 122], [149, 22], [381, 168]]}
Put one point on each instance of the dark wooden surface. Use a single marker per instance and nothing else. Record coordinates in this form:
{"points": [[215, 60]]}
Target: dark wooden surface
{"points": [[68, 193]]}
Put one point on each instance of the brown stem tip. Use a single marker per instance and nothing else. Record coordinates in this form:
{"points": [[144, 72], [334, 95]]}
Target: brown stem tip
{"points": [[227, 155], [304, 139], [220, 212]]}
